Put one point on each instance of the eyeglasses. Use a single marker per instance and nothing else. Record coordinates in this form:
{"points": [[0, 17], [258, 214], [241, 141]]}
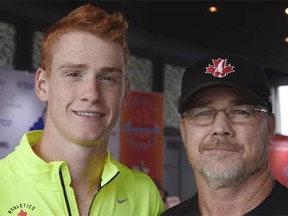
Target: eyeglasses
{"points": [[236, 114]]}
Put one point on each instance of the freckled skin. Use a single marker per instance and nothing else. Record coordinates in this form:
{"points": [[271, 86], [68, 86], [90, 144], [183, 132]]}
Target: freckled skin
{"points": [[78, 83]]}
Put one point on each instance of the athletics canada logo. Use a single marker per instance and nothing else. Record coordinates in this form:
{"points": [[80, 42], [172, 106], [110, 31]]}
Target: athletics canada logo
{"points": [[22, 209], [22, 213], [219, 68]]}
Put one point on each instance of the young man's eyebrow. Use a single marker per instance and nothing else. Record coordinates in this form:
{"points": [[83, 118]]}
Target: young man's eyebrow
{"points": [[72, 65], [84, 66]]}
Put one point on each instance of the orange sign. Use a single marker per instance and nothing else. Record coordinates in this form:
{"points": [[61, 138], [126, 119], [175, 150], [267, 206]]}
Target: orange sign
{"points": [[141, 135]]}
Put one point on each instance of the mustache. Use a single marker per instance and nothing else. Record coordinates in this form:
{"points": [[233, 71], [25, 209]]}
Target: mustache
{"points": [[220, 143]]}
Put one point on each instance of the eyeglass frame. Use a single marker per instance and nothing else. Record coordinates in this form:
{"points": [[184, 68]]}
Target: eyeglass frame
{"points": [[255, 108]]}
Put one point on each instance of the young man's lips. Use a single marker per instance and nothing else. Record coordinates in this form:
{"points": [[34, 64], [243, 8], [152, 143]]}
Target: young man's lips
{"points": [[89, 114]]}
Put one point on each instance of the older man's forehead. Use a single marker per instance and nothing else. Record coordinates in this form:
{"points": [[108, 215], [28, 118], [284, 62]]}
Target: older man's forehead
{"points": [[237, 96]]}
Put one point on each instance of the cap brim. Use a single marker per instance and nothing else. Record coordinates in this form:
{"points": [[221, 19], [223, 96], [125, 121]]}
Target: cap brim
{"points": [[185, 101]]}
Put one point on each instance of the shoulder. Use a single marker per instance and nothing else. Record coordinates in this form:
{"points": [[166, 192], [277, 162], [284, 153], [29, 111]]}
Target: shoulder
{"points": [[135, 180], [4, 163], [187, 207], [8, 171], [280, 191], [275, 203], [134, 175]]}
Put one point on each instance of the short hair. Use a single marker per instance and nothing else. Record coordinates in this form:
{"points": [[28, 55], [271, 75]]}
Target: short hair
{"points": [[86, 18]]}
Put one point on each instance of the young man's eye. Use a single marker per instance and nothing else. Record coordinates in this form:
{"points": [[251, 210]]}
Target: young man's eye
{"points": [[73, 74], [109, 79]]}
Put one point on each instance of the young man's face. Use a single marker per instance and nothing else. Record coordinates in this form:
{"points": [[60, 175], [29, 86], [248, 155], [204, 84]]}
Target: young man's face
{"points": [[86, 88], [226, 153]]}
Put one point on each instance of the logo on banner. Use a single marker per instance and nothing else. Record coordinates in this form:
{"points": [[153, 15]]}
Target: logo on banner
{"points": [[25, 85], [39, 124], [12, 102], [5, 122], [142, 128], [3, 144]]}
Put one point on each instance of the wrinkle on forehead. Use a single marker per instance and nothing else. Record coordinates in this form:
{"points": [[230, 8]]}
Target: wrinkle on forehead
{"points": [[222, 96]]}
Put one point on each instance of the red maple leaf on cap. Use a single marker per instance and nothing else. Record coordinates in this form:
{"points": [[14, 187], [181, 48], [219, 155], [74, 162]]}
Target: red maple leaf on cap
{"points": [[219, 68], [22, 213]]}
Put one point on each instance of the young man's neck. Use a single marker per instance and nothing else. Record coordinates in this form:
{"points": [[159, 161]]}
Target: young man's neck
{"points": [[85, 165]]}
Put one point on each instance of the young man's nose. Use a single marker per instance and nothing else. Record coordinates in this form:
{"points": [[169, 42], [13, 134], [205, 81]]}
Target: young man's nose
{"points": [[91, 90]]}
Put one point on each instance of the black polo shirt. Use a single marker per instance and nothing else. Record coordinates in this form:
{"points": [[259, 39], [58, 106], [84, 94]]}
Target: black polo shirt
{"points": [[275, 204]]}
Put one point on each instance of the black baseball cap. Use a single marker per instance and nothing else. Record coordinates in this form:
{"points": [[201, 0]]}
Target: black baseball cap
{"points": [[225, 70]]}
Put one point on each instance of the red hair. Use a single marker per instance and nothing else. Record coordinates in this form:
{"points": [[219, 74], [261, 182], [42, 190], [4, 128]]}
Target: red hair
{"points": [[87, 18]]}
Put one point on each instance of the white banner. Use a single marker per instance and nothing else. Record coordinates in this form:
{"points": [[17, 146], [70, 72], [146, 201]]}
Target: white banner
{"points": [[20, 109]]}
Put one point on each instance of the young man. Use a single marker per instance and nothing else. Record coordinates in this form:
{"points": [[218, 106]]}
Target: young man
{"points": [[227, 126], [66, 169]]}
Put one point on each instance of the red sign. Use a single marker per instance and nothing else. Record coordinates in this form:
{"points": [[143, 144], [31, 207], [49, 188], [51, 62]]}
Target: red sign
{"points": [[278, 158], [141, 136]]}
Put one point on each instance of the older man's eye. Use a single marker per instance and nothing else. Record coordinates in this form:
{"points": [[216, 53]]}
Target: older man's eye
{"points": [[240, 112], [199, 112], [205, 113], [106, 78]]}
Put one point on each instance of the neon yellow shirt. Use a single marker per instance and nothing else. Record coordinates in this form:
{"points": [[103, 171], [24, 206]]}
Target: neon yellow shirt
{"points": [[31, 186]]}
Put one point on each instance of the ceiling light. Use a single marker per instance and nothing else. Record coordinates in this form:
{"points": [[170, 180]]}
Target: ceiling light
{"points": [[213, 9]]}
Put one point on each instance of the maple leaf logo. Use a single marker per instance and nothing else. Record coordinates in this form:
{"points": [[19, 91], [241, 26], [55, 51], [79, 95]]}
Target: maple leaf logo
{"points": [[219, 68], [22, 213]]}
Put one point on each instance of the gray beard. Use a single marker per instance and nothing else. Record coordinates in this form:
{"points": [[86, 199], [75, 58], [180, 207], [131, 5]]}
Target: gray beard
{"points": [[237, 173]]}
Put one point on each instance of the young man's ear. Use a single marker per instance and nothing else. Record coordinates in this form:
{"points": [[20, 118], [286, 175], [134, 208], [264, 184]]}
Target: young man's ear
{"points": [[41, 84]]}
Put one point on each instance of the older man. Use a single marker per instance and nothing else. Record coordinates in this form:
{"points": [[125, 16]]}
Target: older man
{"points": [[227, 126]]}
